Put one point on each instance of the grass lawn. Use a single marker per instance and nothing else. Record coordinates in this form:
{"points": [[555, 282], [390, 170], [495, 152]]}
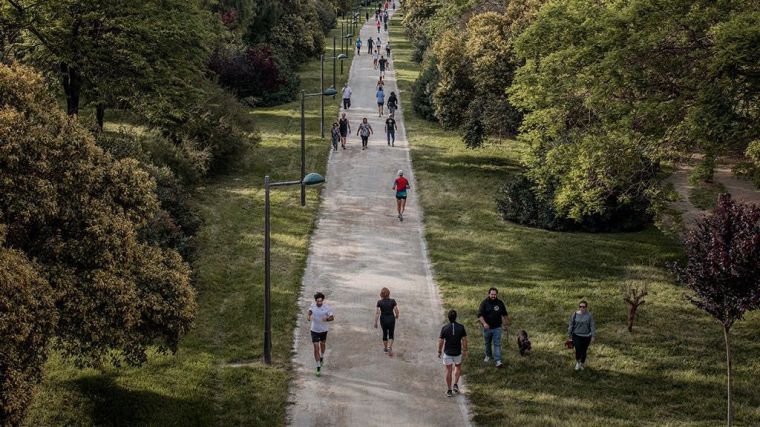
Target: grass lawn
{"points": [[217, 377], [705, 195], [670, 371]]}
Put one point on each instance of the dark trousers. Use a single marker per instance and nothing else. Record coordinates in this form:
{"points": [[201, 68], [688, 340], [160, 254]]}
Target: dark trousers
{"points": [[581, 347], [391, 137], [388, 324], [346, 103]]}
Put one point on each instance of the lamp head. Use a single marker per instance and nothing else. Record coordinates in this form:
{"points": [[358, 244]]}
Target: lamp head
{"points": [[313, 179]]}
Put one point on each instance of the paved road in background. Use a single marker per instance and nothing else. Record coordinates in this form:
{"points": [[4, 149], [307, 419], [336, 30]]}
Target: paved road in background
{"points": [[359, 247]]}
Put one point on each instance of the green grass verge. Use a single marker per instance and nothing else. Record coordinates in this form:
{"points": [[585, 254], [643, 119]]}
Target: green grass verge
{"points": [[217, 377], [705, 195], [670, 371]]}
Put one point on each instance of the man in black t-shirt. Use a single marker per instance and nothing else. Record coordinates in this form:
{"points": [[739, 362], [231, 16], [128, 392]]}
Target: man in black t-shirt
{"points": [[390, 129], [492, 314], [453, 343]]}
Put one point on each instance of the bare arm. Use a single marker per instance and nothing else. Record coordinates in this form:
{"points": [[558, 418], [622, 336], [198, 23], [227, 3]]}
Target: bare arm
{"points": [[377, 316], [464, 346], [308, 316], [440, 346], [395, 309]]}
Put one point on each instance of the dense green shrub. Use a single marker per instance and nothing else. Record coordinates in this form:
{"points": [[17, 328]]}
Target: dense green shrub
{"points": [[27, 322], [422, 91], [327, 16]]}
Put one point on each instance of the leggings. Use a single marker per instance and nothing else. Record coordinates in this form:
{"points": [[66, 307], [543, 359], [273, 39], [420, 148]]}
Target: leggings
{"points": [[388, 324], [581, 347]]}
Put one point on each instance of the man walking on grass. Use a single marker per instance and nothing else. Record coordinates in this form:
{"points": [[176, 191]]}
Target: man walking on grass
{"points": [[319, 314], [452, 341], [492, 314]]}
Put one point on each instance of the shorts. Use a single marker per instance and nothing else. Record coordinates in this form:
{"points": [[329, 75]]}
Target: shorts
{"points": [[401, 195], [452, 360], [343, 133], [318, 336], [380, 104]]}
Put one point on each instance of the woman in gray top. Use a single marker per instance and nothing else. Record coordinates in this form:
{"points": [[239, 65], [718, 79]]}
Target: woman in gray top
{"points": [[581, 329]]}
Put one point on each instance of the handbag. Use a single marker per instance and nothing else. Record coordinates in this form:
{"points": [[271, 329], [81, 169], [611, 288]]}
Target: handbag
{"points": [[569, 343]]}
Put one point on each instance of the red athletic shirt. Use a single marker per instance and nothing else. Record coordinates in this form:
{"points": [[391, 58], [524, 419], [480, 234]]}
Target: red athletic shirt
{"points": [[401, 184]]}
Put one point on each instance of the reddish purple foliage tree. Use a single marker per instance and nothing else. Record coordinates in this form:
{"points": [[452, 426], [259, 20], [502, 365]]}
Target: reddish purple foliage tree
{"points": [[723, 268]]}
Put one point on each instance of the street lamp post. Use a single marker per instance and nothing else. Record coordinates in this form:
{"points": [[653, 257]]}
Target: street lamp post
{"points": [[327, 92], [308, 180]]}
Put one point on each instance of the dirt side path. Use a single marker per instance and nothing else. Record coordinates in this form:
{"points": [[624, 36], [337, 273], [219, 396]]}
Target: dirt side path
{"points": [[359, 247]]}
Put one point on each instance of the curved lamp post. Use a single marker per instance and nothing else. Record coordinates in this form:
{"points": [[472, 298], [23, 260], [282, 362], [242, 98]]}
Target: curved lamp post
{"points": [[325, 92], [310, 179]]}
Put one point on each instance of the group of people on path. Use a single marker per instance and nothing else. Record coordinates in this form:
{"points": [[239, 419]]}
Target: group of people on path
{"points": [[452, 339]]}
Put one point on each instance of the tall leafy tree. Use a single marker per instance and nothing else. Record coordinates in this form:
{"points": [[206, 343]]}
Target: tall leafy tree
{"points": [[77, 213], [722, 270], [141, 54]]}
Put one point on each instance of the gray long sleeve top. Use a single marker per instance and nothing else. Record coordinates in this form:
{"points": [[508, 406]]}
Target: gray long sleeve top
{"points": [[584, 325]]}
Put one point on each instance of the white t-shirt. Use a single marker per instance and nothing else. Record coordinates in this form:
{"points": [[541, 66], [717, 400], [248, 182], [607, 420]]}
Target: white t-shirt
{"points": [[375, 56], [317, 316], [346, 92]]}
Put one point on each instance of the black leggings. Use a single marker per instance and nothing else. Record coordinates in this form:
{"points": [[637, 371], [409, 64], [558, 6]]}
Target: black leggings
{"points": [[581, 347], [388, 324]]}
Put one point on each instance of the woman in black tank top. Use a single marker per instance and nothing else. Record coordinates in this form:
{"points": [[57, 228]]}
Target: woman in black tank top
{"points": [[387, 313]]}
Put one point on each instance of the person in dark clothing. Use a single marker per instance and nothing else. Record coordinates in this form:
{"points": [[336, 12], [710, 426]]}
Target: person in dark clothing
{"points": [[392, 104], [370, 42], [390, 130], [492, 314], [387, 313], [581, 329], [452, 343]]}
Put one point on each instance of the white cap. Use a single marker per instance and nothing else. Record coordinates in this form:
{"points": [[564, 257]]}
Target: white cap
{"points": [[400, 172]]}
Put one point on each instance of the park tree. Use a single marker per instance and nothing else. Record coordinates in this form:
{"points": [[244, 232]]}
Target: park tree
{"points": [[75, 215], [722, 270], [613, 91], [138, 54]]}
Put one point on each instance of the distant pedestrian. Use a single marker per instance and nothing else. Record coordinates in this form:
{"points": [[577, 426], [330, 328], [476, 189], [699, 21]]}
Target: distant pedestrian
{"points": [[335, 135], [366, 15], [377, 14], [392, 104], [581, 329], [380, 97], [347, 96], [319, 314], [386, 6], [380, 83], [370, 42], [383, 63], [365, 130], [387, 313], [390, 129], [358, 46], [394, 5], [344, 128], [378, 44], [375, 58], [388, 50], [401, 186], [452, 343], [377, 24], [493, 316]]}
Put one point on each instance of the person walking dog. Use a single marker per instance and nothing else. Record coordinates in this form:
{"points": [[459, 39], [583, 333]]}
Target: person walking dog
{"points": [[492, 314], [452, 343], [387, 313], [581, 329]]}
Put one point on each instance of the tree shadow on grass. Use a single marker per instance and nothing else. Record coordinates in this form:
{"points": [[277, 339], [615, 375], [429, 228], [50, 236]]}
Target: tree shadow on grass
{"points": [[115, 405]]}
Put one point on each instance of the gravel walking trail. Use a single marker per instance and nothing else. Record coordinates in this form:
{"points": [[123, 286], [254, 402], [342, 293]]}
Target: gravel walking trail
{"points": [[358, 247]]}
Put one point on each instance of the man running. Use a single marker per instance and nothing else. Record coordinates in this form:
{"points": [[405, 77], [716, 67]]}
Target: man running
{"points": [[390, 129], [319, 314], [453, 343], [344, 128], [401, 185], [383, 63], [347, 96], [365, 130]]}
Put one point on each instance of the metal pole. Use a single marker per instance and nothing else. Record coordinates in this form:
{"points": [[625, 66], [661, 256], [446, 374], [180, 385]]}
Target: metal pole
{"points": [[342, 37], [334, 59], [303, 148], [321, 96], [267, 285]]}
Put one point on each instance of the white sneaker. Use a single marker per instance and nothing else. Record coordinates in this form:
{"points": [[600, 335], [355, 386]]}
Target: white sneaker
{"points": [[583, 366], [578, 366], [487, 359]]}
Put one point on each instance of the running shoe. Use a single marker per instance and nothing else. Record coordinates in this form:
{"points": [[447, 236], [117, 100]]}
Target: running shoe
{"points": [[319, 372], [499, 364], [385, 349], [449, 393], [321, 360], [456, 389], [486, 359]]}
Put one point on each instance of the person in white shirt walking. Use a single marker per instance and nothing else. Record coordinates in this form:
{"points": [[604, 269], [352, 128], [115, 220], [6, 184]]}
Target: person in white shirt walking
{"points": [[319, 314], [346, 97]]}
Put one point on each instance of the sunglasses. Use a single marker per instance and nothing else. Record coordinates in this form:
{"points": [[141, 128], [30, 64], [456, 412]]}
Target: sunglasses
{"points": [[581, 306]]}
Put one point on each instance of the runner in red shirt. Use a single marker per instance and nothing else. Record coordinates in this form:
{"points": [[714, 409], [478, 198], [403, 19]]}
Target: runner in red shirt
{"points": [[401, 185]]}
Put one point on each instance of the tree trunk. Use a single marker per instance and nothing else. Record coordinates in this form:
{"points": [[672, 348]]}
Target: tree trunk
{"points": [[72, 86], [729, 364], [100, 114]]}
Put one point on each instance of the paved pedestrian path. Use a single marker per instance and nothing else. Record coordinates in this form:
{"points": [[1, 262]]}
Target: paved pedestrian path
{"points": [[359, 247]]}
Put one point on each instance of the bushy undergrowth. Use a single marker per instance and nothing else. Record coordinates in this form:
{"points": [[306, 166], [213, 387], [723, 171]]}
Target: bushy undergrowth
{"points": [[422, 91]]}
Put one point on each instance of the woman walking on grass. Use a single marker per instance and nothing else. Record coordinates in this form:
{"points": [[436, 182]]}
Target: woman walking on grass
{"points": [[581, 330], [387, 313]]}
